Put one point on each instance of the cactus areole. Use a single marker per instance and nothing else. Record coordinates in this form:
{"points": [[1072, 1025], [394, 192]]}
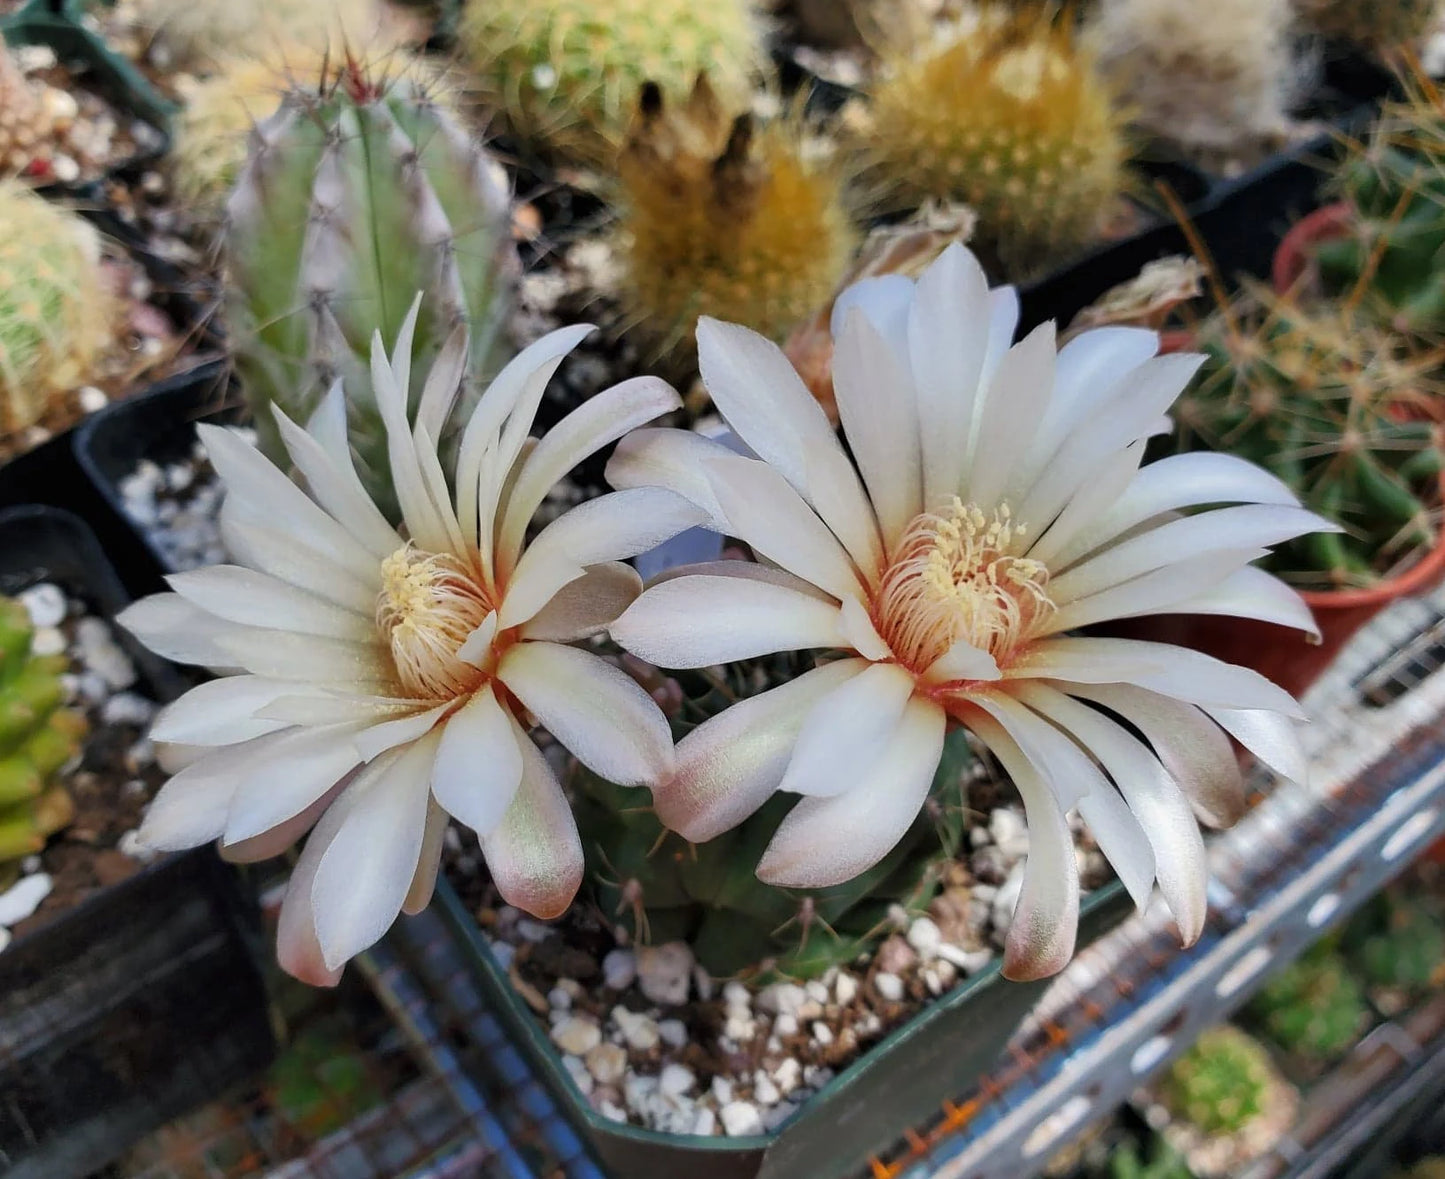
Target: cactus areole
{"points": [[356, 195]]}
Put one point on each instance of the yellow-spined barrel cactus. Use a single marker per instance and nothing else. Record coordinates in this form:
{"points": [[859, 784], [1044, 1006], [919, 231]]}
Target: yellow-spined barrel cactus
{"points": [[356, 196], [724, 218], [55, 309], [1377, 25], [1008, 114], [567, 74], [37, 738]]}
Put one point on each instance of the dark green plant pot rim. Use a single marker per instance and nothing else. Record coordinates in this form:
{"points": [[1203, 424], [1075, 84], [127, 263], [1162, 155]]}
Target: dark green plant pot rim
{"points": [[899, 1082]]}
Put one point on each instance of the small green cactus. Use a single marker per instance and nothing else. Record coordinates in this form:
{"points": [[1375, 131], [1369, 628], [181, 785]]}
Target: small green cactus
{"points": [[37, 738], [1008, 115], [1396, 941], [357, 195], [1379, 26], [567, 74], [1162, 1161], [56, 313], [1314, 1008], [660, 888], [1221, 1084], [1327, 402]]}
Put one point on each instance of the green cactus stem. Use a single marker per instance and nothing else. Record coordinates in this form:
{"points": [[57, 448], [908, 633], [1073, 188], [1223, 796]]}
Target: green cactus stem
{"points": [[1221, 1084]]}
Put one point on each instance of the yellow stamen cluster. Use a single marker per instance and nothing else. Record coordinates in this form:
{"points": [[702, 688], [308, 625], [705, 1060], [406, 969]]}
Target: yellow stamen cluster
{"points": [[428, 605], [954, 576]]}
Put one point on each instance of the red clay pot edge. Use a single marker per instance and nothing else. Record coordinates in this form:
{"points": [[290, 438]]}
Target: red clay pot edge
{"points": [[1292, 255]]}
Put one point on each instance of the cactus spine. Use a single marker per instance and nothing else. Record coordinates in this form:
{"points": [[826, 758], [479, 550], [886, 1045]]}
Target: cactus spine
{"points": [[1221, 1084], [356, 196], [567, 74], [1009, 115], [55, 311], [726, 219], [37, 738]]}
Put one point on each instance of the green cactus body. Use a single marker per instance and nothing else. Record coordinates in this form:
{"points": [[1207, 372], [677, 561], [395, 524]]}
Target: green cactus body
{"points": [[1221, 1084], [355, 198], [1327, 402], [1315, 1007], [1396, 941], [567, 74], [661, 888], [1009, 116], [1161, 1162], [37, 738]]}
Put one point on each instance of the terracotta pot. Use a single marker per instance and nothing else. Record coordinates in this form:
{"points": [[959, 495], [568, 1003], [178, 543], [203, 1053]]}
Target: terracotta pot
{"points": [[1293, 256], [1176, 340]]}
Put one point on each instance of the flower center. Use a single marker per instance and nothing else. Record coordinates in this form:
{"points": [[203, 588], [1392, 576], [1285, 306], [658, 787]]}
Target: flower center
{"points": [[952, 577], [429, 603]]}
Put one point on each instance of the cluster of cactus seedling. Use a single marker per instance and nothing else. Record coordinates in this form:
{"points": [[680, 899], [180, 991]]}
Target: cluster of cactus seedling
{"points": [[1332, 404], [1395, 187], [1219, 89], [1396, 941], [1314, 1008], [357, 195], [1221, 1084], [651, 883], [1376, 25], [55, 309], [726, 218], [1009, 115], [568, 74], [37, 738]]}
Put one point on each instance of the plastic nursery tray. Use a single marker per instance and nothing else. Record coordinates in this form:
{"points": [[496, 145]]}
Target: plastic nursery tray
{"points": [[143, 1001]]}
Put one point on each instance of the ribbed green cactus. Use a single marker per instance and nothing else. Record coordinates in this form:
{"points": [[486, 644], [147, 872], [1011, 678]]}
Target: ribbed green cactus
{"points": [[567, 74], [1394, 250], [1008, 115], [1376, 25], [356, 196], [1396, 941], [37, 737], [1324, 400], [1220, 1085], [661, 888], [1314, 1007]]}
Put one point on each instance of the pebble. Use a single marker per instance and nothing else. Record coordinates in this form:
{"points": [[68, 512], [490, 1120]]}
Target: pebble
{"points": [[706, 1124], [532, 931], [787, 1075], [764, 1090], [739, 1027], [786, 1025], [777, 1115], [672, 1031], [45, 603], [740, 1119], [23, 897], [559, 999], [578, 1072], [664, 973], [47, 640], [895, 955], [890, 986], [1006, 899], [782, 998], [845, 989], [967, 961], [722, 1090], [503, 952], [130, 844], [577, 1034], [736, 995], [822, 1034], [702, 983], [128, 708], [676, 1079], [4, 937], [619, 969], [613, 1113], [91, 399], [640, 1031], [102, 654], [1009, 832], [816, 991], [607, 1062], [923, 936]]}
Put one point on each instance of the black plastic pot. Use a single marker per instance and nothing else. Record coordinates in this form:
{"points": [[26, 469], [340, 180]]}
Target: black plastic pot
{"points": [[899, 1082], [145, 1000]]}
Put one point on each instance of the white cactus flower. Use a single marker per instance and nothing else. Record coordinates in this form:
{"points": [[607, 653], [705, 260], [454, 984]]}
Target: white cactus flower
{"points": [[997, 503], [381, 680]]}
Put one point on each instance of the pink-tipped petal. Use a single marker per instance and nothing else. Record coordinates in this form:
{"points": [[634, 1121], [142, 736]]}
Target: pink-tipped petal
{"points": [[478, 764], [587, 606]]}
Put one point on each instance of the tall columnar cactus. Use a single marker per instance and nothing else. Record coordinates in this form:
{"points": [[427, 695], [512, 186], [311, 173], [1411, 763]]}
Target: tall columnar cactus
{"points": [[567, 74], [357, 195], [1221, 1084], [1325, 401], [56, 313], [37, 738], [660, 888], [1376, 25], [1314, 1007], [1007, 114], [723, 218]]}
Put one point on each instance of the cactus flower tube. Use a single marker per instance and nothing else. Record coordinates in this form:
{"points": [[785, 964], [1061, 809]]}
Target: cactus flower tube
{"points": [[997, 503], [383, 679]]}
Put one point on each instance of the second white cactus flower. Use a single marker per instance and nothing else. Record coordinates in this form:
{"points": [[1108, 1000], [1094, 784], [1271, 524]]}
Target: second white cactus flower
{"points": [[381, 681], [997, 503]]}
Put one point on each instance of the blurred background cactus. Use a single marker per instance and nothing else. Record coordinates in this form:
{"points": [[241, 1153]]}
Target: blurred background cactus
{"points": [[56, 313], [357, 195], [1330, 404], [1378, 26], [659, 888], [1161, 1161], [204, 33], [1314, 1008], [1221, 1084], [1218, 90], [37, 739], [1396, 942], [723, 217], [1007, 113], [567, 74], [29, 115]]}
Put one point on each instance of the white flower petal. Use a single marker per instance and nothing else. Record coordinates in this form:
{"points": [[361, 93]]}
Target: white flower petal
{"points": [[297, 951], [599, 712], [424, 522], [476, 648], [1003, 322], [313, 706], [1082, 512], [962, 661], [825, 841], [732, 763], [428, 862], [587, 606], [272, 551], [221, 712], [306, 658], [883, 301], [847, 730], [291, 772], [478, 764], [1018, 397], [191, 807], [674, 459], [858, 631], [696, 621], [1272, 738], [403, 730], [176, 629], [443, 382], [1252, 593], [274, 842], [242, 595]]}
